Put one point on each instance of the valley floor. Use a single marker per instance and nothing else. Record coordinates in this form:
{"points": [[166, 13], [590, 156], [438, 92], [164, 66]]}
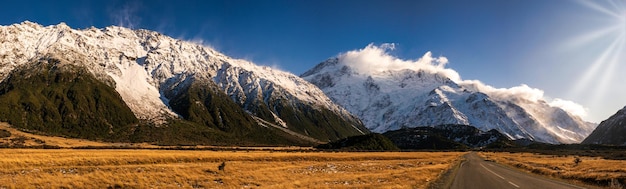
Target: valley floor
{"points": [[73, 168]]}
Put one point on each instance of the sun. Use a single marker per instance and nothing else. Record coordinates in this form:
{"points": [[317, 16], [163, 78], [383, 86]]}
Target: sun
{"points": [[595, 82]]}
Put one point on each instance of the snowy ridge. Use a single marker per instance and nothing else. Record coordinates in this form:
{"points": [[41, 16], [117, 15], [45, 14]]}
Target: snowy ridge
{"points": [[147, 67], [390, 94]]}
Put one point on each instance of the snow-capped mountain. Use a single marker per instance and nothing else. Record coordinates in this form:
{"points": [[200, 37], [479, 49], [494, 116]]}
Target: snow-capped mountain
{"points": [[389, 94], [611, 131], [149, 69]]}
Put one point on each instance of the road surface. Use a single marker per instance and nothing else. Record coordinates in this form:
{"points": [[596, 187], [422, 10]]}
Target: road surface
{"points": [[480, 174]]}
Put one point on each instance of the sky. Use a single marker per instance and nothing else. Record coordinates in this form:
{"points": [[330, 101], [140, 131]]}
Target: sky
{"points": [[569, 49]]}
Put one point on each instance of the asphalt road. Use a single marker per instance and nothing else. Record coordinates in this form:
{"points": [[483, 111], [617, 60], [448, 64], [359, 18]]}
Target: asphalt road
{"points": [[480, 174]]}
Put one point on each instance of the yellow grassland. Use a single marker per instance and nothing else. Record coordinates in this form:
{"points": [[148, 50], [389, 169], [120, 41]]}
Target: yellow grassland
{"points": [[31, 140], [588, 170], [46, 168], [37, 141]]}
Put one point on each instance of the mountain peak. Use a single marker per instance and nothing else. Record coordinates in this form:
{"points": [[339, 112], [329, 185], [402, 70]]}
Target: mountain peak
{"points": [[30, 24], [389, 93], [62, 25], [610, 131]]}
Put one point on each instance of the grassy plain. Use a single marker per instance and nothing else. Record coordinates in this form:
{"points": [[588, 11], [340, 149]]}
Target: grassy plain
{"points": [[587, 170], [23, 139], [71, 168]]}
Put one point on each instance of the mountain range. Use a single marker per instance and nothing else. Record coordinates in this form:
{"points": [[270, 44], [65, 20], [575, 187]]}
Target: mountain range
{"points": [[390, 94], [121, 84], [125, 85]]}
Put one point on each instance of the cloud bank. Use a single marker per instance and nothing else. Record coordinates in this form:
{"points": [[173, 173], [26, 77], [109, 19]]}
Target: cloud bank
{"points": [[570, 107], [373, 59], [376, 59]]}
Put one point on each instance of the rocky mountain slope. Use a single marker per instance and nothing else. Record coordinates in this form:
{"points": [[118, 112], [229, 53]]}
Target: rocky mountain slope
{"points": [[447, 137], [166, 83], [368, 142], [388, 93], [611, 131]]}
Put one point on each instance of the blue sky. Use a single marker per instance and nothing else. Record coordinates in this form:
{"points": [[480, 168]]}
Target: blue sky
{"points": [[503, 43]]}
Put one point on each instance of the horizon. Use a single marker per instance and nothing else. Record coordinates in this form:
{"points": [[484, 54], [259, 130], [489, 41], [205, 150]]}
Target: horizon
{"points": [[569, 50]]}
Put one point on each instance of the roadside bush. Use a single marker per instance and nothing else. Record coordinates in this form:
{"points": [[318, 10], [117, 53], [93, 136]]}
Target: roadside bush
{"points": [[4, 133]]}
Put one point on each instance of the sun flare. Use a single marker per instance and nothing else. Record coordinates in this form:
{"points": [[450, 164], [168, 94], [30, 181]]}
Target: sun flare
{"points": [[595, 81]]}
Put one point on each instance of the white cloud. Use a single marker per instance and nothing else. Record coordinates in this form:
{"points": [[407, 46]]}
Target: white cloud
{"points": [[569, 106], [388, 46], [521, 92], [525, 93], [125, 16], [199, 41], [374, 59]]}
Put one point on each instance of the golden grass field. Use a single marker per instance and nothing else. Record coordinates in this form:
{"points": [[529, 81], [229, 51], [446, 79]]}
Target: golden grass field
{"points": [[20, 139], [590, 170], [29, 140], [55, 168]]}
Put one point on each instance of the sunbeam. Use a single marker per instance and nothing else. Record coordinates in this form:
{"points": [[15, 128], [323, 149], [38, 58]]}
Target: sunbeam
{"points": [[595, 81], [604, 80], [600, 8], [594, 69], [591, 36]]}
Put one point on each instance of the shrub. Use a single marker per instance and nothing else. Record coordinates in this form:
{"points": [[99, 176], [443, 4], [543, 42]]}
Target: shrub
{"points": [[577, 161]]}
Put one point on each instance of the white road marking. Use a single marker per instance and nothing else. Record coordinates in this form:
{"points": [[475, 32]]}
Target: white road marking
{"points": [[567, 184], [516, 186], [491, 171]]}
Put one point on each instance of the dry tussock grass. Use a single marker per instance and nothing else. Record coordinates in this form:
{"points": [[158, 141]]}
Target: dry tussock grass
{"points": [[33, 140], [588, 170], [20, 139], [37, 168]]}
